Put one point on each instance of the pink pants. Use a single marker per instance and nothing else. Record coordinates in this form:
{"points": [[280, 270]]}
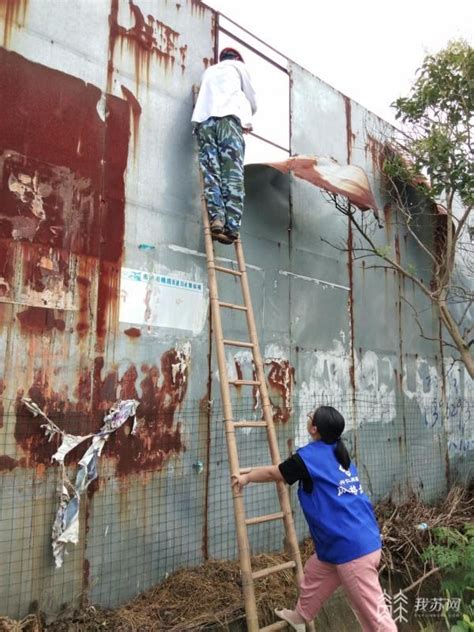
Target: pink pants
{"points": [[360, 579]]}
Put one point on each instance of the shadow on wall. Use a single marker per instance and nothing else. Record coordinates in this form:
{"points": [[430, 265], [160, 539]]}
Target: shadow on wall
{"points": [[267, 203]]}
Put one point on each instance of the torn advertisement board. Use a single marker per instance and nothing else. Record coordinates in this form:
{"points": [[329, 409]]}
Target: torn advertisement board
{"points": [[66, 524], [161, 300]]}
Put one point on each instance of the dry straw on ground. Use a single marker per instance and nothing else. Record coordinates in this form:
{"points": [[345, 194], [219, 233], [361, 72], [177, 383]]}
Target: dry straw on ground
{"points": [[404, 543], [209, 596]]}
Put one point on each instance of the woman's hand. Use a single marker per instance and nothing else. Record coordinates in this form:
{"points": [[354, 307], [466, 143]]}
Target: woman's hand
{"points": [[239, 482]]}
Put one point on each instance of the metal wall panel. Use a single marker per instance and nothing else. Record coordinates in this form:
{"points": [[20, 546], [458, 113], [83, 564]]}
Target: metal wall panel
{"points": [[106, 297], [140, 219]]}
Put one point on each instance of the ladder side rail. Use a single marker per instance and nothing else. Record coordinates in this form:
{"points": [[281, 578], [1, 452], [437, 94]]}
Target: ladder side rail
{"points": [[238, 500], [283, 494]]}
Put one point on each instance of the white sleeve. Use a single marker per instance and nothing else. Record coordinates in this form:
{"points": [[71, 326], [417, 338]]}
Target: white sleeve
{"points": [[248, 88]]}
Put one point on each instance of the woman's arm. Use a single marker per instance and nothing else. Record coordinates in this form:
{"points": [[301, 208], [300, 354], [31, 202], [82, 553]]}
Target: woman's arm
{"points": [[267, 474]]}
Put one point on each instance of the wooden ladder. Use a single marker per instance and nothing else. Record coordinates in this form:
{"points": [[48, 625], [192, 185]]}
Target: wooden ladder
{"points": [[231, 426]]}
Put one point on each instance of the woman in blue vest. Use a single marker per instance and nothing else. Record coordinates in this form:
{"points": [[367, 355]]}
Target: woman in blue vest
{"points": [[341, 522]]}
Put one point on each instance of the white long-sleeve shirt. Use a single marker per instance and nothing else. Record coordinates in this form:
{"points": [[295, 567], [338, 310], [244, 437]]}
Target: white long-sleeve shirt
{"points": [[226, 90]]}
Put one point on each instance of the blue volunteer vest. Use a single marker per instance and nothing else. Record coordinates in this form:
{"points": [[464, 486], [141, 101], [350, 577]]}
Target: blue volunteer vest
{"points": [[340, 516]]}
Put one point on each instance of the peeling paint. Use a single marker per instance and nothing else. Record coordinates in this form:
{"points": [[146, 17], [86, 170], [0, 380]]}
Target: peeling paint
{"points": [[280, 381], [329, 382], [61, 196], [161, 395]]}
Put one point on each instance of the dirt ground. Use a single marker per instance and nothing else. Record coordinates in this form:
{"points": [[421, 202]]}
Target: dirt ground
{"points": [[209, 597]]}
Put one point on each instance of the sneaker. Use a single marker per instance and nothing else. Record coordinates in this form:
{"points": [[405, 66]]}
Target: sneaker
{"points": [[217, 226]]}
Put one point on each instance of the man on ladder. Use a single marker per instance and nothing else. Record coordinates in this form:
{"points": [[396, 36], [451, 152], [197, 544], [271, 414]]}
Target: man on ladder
{"points": [[222, 114]]}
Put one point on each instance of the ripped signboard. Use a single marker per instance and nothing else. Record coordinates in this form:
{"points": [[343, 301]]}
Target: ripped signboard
{"points": [[66, 524], [161, 300]]}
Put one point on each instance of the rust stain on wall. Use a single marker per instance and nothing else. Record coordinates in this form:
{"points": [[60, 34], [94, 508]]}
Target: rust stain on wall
{"points": [[280, 387], [62, 225], [38, 320], [161, 394], [159, 434], [198, 7], [377, 152], [6, 267], [133, 332], [28, 432], [388, 223], [147, 39], [7, 464], [239, 373], [350, 136], [350, 304], [83, 281], [83, 391], [135, 112], [12, 12], [182, 52], [2, 409], [61, 193]]}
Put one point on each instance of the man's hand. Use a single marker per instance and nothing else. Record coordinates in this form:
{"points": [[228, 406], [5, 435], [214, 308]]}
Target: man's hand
{"points": [[239, 482], [246, 130]]}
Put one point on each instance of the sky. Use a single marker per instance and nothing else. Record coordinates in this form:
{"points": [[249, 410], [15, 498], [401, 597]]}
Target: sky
{"points": [[367, 49]]}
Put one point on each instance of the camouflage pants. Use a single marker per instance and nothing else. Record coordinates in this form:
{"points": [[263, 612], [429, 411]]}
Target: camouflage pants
{"points": [[221, 156]]}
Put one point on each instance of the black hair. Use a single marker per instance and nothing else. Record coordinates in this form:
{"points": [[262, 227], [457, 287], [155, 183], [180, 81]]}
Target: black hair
{"points": [[330, 424], [228, 55]]}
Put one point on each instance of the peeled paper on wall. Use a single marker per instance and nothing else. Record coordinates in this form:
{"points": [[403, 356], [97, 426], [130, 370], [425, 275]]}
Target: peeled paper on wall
{"points": [[347, 180], [66, 524]]}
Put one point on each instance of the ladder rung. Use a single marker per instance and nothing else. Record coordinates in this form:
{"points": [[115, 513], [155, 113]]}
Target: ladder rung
{"points": [[238, 343], [227, 270], [272, 569], [242, 308], [265, 518], [279, 625], [244, 382], [250, 424]]}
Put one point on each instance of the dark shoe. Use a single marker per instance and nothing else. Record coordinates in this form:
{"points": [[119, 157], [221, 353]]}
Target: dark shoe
{"points": [[217, 226], [222, 238], [232, 236]]}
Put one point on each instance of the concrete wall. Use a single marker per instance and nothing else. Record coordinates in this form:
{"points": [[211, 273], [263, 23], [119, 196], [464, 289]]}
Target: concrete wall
{"points": [[104, 296]]}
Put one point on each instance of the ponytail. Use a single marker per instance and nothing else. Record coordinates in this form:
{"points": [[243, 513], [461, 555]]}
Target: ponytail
{"points": [[330, 424], [342, 455]]}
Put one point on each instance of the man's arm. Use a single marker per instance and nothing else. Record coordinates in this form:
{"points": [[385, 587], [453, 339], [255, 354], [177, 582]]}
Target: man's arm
{"points": [[267, 474], [248, 88]]}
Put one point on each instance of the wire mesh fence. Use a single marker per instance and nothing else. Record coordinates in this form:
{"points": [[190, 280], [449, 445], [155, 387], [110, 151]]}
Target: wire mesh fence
{"points": [[160, 505]]}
